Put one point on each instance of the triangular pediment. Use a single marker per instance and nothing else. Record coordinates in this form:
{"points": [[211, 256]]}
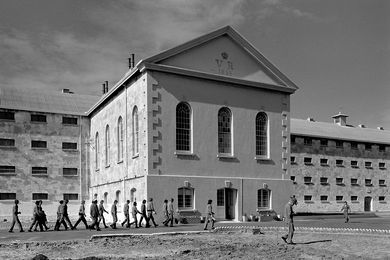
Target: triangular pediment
{"points": [[224, 53]]}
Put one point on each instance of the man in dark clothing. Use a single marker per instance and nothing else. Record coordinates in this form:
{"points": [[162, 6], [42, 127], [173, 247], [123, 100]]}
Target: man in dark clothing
{"points": [[36, 218], [15, 218], [143, 215], [94, 212], [209, 216], [171, 212], [60, 217], [288, 215], [165, 212], [81, 216], [150, 210], [101, 213], [126, 209], [346, 209], [134, 212], [114, 214], [65, 214]]}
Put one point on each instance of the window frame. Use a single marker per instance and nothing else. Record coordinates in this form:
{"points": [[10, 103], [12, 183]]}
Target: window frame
{"points": [[225, 132], [97, 152], [7, 196], [120, 139], [34, 144], [39, 171], [183, 199], [38, 118], [183, 128], [135, 132], [70, 120], [7, 170], [39, 196], [262, 136], [107, 143], [261, 198], [64, 169], [70, 196], [6, 115]]}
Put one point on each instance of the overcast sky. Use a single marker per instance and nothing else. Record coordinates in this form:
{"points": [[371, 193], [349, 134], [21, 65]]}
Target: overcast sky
{"points": [[337, 52]]}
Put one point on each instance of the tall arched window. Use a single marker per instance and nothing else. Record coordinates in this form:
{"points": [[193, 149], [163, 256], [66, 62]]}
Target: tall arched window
{"points": [[105, 196], [97, 151], [117, 196], [107, 146], [183, 127], [264, 198], [120, 139], [135, 131], [224, 131], [185, 198], [261, 135]]}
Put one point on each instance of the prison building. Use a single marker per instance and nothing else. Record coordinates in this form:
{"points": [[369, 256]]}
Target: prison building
{"points": [[208, 119], [336, 162], [43, 139]]}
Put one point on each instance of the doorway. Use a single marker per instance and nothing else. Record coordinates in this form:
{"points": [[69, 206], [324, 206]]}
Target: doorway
{"points": [[367, 203]]}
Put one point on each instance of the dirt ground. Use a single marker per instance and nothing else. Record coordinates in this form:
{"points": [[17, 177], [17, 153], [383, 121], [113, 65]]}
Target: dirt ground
{"points": [[216, 245]]}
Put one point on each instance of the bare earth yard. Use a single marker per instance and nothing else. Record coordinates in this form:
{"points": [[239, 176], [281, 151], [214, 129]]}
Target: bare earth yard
{"points": [[215, 245]]}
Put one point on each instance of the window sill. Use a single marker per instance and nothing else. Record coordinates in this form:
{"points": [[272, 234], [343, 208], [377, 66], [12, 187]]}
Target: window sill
{"points": [[119, 162], [7, 174], [7, 120], [382, 168], [38, 122], [183, 153], [292, 163], [355, 201], [368, 185], [382, 185], [135, 156], [8, 147], [309, 164], [225, 156], [309, 201], [354, 166], [354, 184], [71, 150], [39, 149], [368, 167], [309, 183], [324, 183], [40, 175], [325, 202], [107, 166], [69, 124], [70, 176], [97, 170], [382, 202], [339, 165], [324, 165], [339, 201], [262, 158]]}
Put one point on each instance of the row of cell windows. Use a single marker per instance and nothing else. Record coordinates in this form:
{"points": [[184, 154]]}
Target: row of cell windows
{"points": [[37, 118], [339, 181], [38, 196], [338, 162], [325, 198], [37, 171], [308, 141], [7, 142], [184, 130], [119, 140]]}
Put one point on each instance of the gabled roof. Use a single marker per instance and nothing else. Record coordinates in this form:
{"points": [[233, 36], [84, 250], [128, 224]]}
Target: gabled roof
{"points": [[155, 63], [46, 101], [335, 131]]}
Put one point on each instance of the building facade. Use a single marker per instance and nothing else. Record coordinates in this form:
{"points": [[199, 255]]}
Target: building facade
{"points": [[208, 119], [336, 162], [43, 150]]}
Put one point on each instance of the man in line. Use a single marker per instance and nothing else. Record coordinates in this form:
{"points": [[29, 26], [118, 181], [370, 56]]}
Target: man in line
{"points": [[15, 218], [65, 214], [114, 215], [94, 212], [143, 215], [101, 213], [36, 218], [210, 215], [346, 209], [288, 215], [60, 218], [134, 212], [165, 212], [171, 211], [81, 216], [126, 209], [150, 209]]}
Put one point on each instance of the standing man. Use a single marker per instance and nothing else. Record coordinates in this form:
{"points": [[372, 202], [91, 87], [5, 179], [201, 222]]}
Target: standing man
{"points": [[134, 212], [65, 214], [114, 214], [165, 212], [150, 209], [346, 209], [101, 213], [143, 215], [94, 212], [126, 209], [288, 215], [15, 218], [171, 211], [81, 216], [210, 215]]}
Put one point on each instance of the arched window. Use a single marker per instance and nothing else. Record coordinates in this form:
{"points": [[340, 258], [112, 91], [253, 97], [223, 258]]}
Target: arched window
{"points": [[224, 131], [185, 198], [133, 198], [261, 135], [117, 196], [263, 198], [183, 127], [105, 197], [120, 139], [107, 146], [97, 151], [135, 131]]}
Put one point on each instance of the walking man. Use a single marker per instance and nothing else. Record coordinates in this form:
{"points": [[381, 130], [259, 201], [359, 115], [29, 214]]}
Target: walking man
{"points": [[150, 209], [126, 209], [15, 218], [36, 218], [143, 215], [171, 211], [210, 215], [94, 212], [101, 213], [114, 214], [81, 216], [165, 212], [134, 212], [60, 218], [41, 217], [288, 214], [346, 209], [65, 214]]}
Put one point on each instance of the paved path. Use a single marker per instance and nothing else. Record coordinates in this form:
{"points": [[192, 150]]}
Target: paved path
{"points": [[312, 224]]}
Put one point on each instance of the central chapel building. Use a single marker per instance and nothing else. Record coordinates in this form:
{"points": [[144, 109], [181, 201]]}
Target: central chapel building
{"points": [[208, 119]]}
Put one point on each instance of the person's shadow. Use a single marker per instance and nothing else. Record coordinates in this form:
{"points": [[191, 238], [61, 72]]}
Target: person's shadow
{"points": [[313, 242]]}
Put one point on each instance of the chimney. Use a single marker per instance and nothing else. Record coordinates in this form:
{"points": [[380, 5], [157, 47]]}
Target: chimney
{"points": [[310, 119], [131, 61], [65, 90], [340, 119], [106, 86], [380, 128], [362, 126]]}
